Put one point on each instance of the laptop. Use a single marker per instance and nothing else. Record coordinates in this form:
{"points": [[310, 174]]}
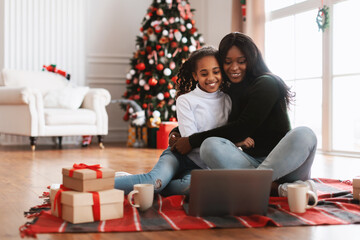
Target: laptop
{"points": [[229, 192]]}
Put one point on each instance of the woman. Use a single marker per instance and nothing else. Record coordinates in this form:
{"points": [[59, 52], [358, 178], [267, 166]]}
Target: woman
{"points": [[259, 110]]}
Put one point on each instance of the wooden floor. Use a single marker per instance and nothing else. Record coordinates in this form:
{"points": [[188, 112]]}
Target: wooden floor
{"points": [[25, 174]]}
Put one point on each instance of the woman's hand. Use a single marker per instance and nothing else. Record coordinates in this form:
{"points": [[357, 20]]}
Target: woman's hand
{"points": [[173, 137], [247, 143], [182, 146]]}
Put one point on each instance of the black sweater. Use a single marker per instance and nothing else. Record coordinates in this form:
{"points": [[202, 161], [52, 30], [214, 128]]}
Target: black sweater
{"points": [[258, 111]]}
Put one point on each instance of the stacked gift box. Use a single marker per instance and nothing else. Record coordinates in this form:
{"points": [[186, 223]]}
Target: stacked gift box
{"points": [[87, 195], [356, 188]]}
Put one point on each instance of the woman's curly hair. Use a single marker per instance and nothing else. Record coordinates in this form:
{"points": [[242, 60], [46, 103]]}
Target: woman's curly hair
{"points": [[185, 82]]}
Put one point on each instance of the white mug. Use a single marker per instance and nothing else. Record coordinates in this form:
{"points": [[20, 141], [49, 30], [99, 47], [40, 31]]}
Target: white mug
{"points": [[298, 197], [143, 196]]}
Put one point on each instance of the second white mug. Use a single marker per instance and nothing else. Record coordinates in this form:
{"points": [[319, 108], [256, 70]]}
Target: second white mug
{"points": [[298, 196]]}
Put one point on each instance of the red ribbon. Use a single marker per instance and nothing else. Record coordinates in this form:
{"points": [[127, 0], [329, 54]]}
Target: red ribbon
{"points": [[96, 206], [57, 199], [95, 167]]}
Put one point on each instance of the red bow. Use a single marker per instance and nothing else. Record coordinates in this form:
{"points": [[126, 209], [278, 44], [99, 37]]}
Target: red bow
{"points": [[95, 167]]}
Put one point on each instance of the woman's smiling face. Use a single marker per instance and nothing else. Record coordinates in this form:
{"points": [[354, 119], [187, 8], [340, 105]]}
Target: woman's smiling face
{"points": [[235, 65]]}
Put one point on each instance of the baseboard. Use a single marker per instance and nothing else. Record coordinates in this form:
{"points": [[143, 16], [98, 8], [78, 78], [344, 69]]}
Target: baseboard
{"points": [[117, 135], [6, 139]]}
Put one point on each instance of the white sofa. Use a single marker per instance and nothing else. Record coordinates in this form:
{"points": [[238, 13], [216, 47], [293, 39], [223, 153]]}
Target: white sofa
{"points": [[44, 104]]}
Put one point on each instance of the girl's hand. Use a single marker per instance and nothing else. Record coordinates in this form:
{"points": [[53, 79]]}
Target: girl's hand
{"points": [[182, 146], [247, 143], [173, 137]]}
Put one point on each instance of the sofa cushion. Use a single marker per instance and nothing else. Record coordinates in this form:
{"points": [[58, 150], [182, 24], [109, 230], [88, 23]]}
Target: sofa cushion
{"points": [[44, 81], [68, 97], [61, 116]]}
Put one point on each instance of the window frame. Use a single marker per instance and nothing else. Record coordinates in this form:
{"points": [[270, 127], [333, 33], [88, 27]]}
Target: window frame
{"points": [[327, 66]]}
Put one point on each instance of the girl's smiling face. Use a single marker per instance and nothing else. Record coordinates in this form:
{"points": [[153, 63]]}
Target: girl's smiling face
{"points": [[235, 65], [208, 74]]}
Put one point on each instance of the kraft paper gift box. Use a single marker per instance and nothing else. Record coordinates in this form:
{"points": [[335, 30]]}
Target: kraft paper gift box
{"points": [[356, 188], [79, 207], [142, 134], [84, 178]]}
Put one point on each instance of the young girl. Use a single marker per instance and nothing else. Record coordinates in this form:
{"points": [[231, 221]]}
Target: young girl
{"points": [[200, 106]]}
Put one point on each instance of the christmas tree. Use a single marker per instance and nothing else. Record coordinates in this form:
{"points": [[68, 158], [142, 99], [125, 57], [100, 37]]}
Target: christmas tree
{"points": [[167, 37]]}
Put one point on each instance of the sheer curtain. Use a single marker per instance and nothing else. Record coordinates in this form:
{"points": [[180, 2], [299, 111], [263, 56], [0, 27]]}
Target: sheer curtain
{"points": [[43, 32]]}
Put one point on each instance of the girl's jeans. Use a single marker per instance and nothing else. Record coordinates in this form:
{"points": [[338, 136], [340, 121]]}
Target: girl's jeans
{"points": [[170, 175], [290, 160]]}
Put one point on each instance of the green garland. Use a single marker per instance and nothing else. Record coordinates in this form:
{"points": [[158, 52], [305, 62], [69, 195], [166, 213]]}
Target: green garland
{"points": [[322, 18]]}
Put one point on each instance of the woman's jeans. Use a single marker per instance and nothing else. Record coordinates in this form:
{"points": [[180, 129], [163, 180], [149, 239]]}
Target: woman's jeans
{"points": [[290, 160], [170, 175]]}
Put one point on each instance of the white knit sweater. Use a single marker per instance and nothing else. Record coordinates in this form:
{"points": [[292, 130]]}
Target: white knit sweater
{"points": [[199, 111]]}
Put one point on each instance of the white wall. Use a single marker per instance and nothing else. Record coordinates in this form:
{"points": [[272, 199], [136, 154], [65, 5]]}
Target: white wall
{"points": [[111, 34], [2, 36], [213, 19]]}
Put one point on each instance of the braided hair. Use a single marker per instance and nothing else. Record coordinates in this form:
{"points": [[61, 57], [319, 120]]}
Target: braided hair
{"points": [[185, 82]]}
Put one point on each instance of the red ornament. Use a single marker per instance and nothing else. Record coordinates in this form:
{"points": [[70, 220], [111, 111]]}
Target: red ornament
{"points": [[162, 81], [160, 12], [140, 66], [158, 47], [128, 81], [159, 67], [166, 95], [152, 81], [145, 38], [138, 89], [172, 119], [161, 53], [186, 48], [148, 73], [173, 44], [142, 52], [148, 49], [193, 30], [158, 29], [141, 29], [170, 86], [136, 97], [174, 78], [192, 21], [144, 106]]}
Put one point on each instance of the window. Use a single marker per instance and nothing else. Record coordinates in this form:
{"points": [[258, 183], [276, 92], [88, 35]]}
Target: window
{"points": [[319, 67]]}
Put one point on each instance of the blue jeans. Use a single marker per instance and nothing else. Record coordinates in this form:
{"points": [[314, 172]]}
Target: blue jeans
{"points": [[290, 160], [170, 175]]}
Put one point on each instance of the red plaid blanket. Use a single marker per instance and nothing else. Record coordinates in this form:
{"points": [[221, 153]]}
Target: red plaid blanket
{"points": [[336, 206]]}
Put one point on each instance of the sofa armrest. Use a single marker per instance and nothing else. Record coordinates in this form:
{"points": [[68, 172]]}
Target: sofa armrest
{"points": [[15, 95], [96, 97], [27, 100]]}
